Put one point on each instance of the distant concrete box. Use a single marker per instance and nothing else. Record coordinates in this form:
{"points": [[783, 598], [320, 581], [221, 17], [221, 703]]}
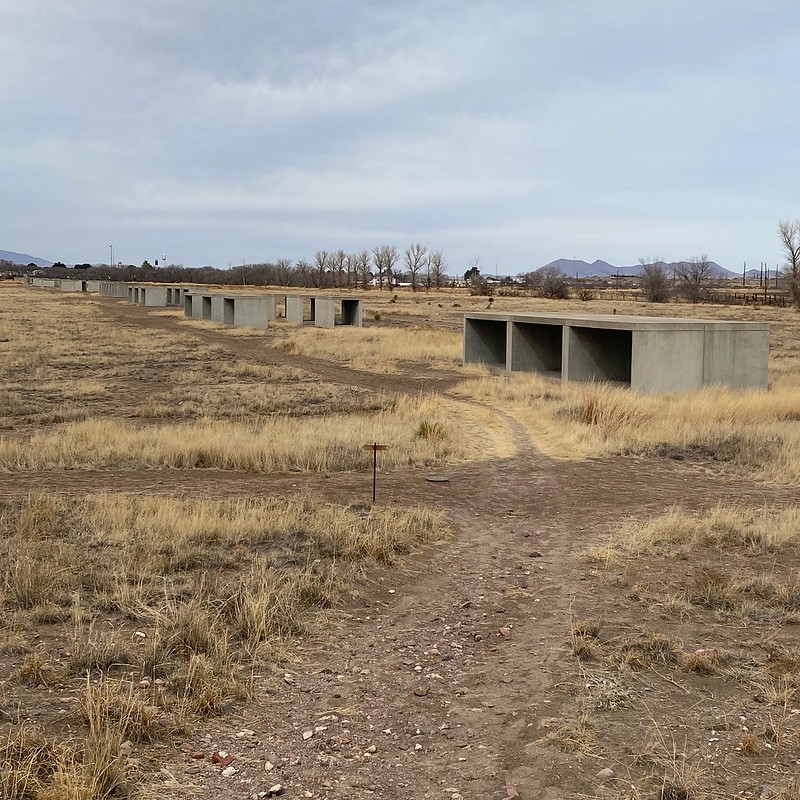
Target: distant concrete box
{"points": [[649, 354], [248, 311], [175, 295], [69, 285], [148, 295], [325, 311], [113, 289], [194, 305]]}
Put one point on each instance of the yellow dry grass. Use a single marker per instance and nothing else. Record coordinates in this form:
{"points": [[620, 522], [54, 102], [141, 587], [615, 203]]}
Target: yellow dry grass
{"points": [[421, 432], [753, 433], [378, 350], [678, 531]]}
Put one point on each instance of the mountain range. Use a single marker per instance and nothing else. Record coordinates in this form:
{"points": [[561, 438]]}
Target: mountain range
{"points": [[583, 269], [23, 259]]}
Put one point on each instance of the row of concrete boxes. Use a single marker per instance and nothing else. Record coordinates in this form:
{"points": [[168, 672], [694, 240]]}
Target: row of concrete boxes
{"points": [[648, 354], [236, 309], [66, 285], [241, 310]]}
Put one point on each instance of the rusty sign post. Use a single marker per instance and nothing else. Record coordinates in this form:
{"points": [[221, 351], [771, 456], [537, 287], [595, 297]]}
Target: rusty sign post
{"points": [[375, 447]]}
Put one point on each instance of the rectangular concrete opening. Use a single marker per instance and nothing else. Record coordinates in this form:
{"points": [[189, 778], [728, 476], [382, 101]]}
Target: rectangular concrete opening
{"points": [[142, 296], [485, 341], [312, 313], [536, 348], [130, 294], [350, 312], [206, 307], [228, 310], [187, 305], [600, 354]]}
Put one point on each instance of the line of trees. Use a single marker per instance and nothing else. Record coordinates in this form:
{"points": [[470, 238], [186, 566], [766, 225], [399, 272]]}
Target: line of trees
{"points": [[384, 266]]}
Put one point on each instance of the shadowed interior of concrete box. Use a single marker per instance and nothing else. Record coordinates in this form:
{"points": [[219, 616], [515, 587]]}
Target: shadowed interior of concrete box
{"points": [[600, 354], [537, 348], [487, 341], [228, 310]]}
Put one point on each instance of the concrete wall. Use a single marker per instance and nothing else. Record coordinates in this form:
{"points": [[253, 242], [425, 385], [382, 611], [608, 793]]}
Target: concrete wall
{"points": [[294, 309], [69, 285], [736, 357], [650, 354], [668, 360], [324, 312]]}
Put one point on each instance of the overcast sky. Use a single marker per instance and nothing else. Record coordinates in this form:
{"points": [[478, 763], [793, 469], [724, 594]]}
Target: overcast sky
{"points": [[518, 132]]}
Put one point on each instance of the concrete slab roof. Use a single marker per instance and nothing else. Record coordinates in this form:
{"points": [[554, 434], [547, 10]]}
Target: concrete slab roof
{"points": [[619, 321]]}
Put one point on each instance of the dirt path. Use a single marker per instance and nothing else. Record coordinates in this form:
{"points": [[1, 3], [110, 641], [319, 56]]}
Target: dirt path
{"points": [[436, 688], [256, 350]]}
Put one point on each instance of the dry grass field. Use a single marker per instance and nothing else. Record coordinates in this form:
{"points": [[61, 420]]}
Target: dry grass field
{"points": [[607, 582], [146, 613], [111, 395]]}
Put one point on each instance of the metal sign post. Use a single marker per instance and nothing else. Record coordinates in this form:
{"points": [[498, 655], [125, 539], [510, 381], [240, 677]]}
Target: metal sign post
{"points": [[375, 447]]}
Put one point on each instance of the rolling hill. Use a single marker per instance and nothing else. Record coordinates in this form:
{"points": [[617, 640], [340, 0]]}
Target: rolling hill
{"points": [[599, 268], [23, 259]]}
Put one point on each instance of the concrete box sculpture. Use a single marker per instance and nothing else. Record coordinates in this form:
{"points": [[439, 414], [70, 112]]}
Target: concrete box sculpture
{"points": [[649, 354]]}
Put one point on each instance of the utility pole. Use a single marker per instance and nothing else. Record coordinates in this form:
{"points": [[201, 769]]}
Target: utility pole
{"points": [[111, 248]]}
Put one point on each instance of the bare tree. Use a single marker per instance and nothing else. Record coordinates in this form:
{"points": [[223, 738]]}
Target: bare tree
{"points": [[437, 269], [283, 271], [338, 265], [694, 277], [322, 260], [789, 232], [415, 257], [352, 269], [304, 273], [385, 258], [553, 283], [361, 268], [377, 261], [654, 280]]}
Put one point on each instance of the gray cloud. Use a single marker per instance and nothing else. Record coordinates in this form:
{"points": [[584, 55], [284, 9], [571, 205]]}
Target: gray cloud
{"points": [[520, 131]]}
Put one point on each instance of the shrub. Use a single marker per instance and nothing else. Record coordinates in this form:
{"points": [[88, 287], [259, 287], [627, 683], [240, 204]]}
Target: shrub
{"points": [[553, 283], [654, 282]]}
